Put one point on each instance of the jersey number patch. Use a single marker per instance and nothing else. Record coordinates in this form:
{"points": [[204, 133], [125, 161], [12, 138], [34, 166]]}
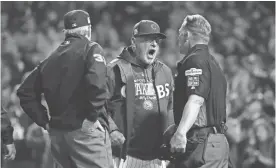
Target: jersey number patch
{"points": [[99, 58]]}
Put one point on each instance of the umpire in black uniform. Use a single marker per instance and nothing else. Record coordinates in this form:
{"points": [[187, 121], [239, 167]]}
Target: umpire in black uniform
{"points": [[199, 101], [73, 82]]}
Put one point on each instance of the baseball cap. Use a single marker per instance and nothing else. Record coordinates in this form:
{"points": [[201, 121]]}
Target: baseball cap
{"points": [[147, 28], [75, 19]]}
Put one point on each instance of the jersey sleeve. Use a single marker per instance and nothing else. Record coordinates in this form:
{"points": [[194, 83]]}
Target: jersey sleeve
{"points": [[197, 74], [29, 94], [95, 79]]}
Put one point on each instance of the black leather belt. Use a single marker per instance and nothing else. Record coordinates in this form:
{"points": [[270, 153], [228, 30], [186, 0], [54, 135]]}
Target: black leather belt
{"points": [[211, 129]]}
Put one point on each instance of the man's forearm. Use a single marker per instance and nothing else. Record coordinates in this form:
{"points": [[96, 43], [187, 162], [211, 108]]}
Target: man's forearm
{"points": [[189, 116]]}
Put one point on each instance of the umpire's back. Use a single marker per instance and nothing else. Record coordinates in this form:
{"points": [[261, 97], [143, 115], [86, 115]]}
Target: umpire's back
{"points": [[72, 78], [62, 81]]}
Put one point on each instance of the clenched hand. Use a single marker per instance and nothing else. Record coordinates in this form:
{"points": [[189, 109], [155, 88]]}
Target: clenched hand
{"points": [[178, 143], [11, 152], [117, 138]]}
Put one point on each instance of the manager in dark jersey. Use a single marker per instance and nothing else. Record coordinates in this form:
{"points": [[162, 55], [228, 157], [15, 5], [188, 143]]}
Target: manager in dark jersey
{"points": [[73, 82], [140, 105], [199, 101]]}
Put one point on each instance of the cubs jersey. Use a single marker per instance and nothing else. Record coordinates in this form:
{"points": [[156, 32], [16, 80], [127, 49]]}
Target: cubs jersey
{"points": [[148, 121]]}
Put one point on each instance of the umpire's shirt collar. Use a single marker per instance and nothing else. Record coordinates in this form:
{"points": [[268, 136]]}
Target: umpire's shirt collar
{"points": [[194, 49], [75, 35]]}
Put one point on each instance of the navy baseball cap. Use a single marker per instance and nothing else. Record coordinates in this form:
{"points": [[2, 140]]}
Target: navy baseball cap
{"points": [[75, 19], [147, 28]]}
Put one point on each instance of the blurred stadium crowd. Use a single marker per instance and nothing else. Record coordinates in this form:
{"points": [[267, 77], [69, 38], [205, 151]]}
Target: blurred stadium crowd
{"points": [[243, 42]]}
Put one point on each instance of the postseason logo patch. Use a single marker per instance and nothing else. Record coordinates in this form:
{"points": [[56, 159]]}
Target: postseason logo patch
{"points": [[193, 81], [193, 77], [193, 72], [148, 105]]}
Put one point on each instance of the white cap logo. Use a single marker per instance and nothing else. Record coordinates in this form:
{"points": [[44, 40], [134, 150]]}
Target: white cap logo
{"points": [[88, 20], [153, 26], [135, 31], [74, 25]]}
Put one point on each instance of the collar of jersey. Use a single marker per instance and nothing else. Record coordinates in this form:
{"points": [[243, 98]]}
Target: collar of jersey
{"points": [[74, 35], [192, 50]]}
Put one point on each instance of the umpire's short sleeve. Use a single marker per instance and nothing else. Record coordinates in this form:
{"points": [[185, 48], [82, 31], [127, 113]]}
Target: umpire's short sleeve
{"points": [[197, 76]]}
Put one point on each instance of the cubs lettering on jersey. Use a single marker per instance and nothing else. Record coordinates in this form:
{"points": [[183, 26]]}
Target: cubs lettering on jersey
{"points": [[144, 90]]}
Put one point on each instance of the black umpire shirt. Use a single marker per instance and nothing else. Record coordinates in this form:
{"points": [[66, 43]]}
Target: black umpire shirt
{"points": [[200, 74], [73, 81]]}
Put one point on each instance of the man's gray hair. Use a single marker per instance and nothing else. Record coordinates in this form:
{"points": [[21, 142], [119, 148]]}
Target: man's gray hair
{"points": [[80, 30], [198, 26]]}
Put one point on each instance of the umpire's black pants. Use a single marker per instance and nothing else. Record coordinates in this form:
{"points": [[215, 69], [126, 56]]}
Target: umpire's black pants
{"points": [[212, 153], [87, 147]]}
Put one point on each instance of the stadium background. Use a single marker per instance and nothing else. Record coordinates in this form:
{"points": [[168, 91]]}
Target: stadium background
{"points": [[243, 42]]}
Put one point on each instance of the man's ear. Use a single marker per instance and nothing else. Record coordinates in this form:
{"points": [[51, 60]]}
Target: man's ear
{"points": [[132, 40], [189, 34], [133, 45]]}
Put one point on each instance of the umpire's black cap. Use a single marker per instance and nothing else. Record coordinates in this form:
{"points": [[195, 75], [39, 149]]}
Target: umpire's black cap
{"points": [[147, 28], [75, 19]]}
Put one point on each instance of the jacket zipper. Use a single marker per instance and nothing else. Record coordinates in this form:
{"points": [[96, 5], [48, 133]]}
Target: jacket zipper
{"points": [[146, 76]]}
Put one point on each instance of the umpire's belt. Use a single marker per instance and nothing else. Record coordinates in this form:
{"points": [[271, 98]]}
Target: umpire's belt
{"points": [[198, 135], [207, 130]]}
